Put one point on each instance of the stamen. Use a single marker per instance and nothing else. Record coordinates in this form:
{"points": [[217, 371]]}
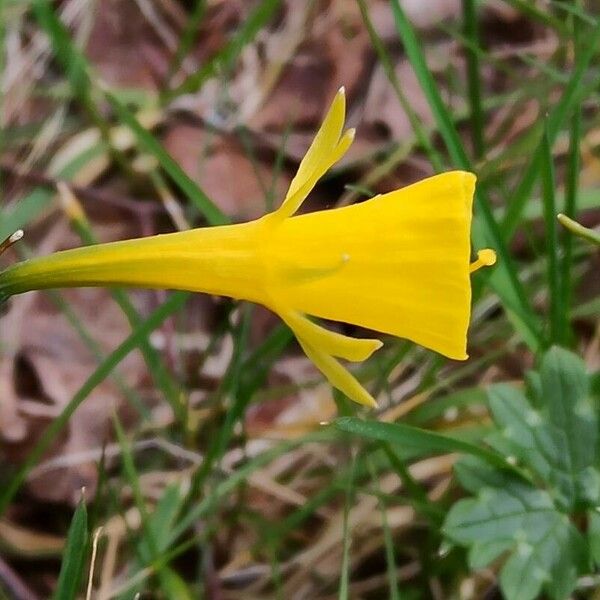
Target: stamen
{"points": [[301, 274], [485, 258], [11, 240]]}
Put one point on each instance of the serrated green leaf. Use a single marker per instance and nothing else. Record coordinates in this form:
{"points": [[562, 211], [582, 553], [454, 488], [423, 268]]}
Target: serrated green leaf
{"points": [[482, 554], [74, 557], [550, 564], [473, 474], [517, 512], [521, 427], [554, 432], [557, 439], [587, 485], [565, 390], [594, 535], [526, 434], [523, 519]]}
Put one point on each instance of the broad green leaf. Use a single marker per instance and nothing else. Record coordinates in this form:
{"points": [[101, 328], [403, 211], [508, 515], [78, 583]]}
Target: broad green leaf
{"points": [[557, 439], [566, 396], [482, 554], [554, 433], [551, 563], [517, 512], [594, 535], [75, 554], [473, 474], [521, 519], [526, 434]]}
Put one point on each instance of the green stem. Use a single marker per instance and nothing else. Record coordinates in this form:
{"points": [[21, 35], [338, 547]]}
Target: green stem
{"points": [[579, 230]]}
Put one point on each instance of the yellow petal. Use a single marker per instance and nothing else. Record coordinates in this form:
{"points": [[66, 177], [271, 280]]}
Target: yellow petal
{"points": [[329, 342], [403, 263], [326, 149], [338, 376]]}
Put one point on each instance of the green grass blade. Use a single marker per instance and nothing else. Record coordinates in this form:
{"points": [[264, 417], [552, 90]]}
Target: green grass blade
{"points": [[558, 322], [74, 556], [173, 304], [30, 206], [504, 279], [343, 590], [570, 99], [188, 37], [415, 491], [156, 368], [533, 12], [471, 28], [574, 9], [441, 115], [131, 476], [77, 70], [571, 189], [229, 388], [171, 584], [87, 338], [422, 439], [150, 144], [225, 58], [72, 60], [388, 540], [323, 495], [421, 134], [256, 366], [201, 507]]}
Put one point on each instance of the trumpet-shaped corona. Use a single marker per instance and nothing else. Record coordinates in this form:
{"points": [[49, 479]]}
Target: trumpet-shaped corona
{"points": [[398, 263]]}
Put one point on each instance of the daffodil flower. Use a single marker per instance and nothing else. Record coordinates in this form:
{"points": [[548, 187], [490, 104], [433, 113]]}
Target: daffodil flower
{"points": [[398, 263]]}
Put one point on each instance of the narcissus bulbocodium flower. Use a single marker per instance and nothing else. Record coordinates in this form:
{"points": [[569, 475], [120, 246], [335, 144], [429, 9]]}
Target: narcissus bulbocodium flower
{"points": [[398, 263]]}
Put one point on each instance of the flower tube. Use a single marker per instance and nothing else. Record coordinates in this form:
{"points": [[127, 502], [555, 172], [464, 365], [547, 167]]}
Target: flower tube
{"points": [[398, 263]]}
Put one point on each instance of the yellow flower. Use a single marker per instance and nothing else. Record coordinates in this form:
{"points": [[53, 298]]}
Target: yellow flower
{"points": [[398, 263]]}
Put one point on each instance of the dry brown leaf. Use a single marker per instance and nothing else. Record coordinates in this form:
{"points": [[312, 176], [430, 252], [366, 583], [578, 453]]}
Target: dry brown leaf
{"points": [[52, 363], [123, 47], [223, 170]]}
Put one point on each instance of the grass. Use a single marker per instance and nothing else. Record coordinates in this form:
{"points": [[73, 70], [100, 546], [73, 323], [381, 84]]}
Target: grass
{"points": [[336, 502]]}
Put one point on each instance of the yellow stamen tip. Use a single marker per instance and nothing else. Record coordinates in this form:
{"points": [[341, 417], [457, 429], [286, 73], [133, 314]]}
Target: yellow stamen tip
{"points": [[485, 258]]}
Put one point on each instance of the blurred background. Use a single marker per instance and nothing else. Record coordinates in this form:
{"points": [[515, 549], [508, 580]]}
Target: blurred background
{"points": [[202, 454]]}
